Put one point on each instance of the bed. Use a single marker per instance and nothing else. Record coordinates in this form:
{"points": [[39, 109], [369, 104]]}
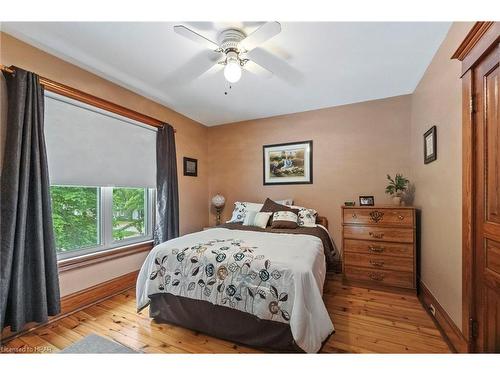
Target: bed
{"points": [[258, 287]]}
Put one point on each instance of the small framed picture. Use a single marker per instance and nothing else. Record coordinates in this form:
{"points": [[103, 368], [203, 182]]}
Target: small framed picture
{"points": [[190, 167], [366, 200], [430, 145]]}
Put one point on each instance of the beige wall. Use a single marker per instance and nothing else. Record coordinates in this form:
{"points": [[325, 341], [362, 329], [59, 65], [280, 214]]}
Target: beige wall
{"points": [[354, 147], [191, 140], [437, 101]]}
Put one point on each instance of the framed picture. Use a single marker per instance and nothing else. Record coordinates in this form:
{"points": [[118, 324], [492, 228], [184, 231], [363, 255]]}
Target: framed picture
{"points": [[288, 163], [430, 145], [190, 167], [366, 200]]}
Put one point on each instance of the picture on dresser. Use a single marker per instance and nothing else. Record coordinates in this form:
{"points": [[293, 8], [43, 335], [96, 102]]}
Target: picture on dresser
{"points": [[287, 163], [366, 200], [430, 145]]}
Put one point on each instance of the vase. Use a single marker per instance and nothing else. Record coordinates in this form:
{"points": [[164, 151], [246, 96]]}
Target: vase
{"points": [[396, 199]]}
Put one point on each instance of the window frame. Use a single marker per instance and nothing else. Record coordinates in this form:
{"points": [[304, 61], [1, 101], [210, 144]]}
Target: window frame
{"points": [[105, 225]]}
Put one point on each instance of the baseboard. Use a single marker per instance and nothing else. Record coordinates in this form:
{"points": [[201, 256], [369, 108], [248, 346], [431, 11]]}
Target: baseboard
{"points": [[445, 324], [80, 300]]}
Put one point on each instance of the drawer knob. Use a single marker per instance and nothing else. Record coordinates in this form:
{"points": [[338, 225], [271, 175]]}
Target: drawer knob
{"points": [[376, 276], [376, 235], [376, 249], [401, 217], [354, 216], [376, 216], [377, 263]]}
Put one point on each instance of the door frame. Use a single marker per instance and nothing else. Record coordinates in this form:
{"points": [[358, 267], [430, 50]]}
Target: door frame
{"points": [[479, 41]]}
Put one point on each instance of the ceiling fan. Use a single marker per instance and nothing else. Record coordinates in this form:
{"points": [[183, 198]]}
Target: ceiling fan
{"points": [[238, 49]]}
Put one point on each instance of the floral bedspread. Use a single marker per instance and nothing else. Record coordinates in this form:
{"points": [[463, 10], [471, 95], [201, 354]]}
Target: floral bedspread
{"points": [[272, 276]]}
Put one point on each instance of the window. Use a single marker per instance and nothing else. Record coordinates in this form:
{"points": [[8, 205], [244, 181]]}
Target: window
{"points": [[75, 213], [129, 219], [102, 167], [90, 219]]}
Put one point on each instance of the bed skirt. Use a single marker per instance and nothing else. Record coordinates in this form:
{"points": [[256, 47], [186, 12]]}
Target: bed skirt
{"points": [[222, 322]]}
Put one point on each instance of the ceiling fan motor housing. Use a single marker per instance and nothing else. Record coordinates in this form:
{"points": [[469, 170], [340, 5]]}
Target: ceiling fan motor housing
{"points": [[230, 39]]}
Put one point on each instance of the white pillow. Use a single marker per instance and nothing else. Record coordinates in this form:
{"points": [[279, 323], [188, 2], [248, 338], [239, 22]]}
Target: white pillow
{"points": [[285, 202], [261, 219], [250, 217], [240, 210], [307, 217]]}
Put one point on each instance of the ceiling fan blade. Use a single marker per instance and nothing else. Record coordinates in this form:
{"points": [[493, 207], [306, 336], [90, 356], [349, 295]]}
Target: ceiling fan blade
{"points": [[254, 68], [276, 65], [198, 65], [195, 37], [259, 36]]}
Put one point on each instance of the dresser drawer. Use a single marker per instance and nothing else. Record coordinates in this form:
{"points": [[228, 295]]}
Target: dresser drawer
{"points": [[375, 233], [378, 262], [379, 216], [400, 279], [382, 248]]}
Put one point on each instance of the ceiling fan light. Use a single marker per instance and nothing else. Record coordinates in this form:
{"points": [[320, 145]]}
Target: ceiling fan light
{"points": [[232, 71]]}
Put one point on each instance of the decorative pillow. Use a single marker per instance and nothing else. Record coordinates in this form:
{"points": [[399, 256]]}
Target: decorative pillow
{"points": [[272, 206], [307, 217], [286, 202], [285, 220], [250, 217], [240, 210], [261, 219]]}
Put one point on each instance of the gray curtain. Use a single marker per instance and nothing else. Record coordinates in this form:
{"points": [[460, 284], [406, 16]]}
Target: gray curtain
{"points": [[29, 289], [167, 195]]}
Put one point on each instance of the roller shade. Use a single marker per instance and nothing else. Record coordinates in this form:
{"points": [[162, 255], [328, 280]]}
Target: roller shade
{"points": [[91, 147]]}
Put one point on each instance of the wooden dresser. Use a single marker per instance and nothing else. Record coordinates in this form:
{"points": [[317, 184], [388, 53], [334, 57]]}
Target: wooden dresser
{"points": [[379, 246]]}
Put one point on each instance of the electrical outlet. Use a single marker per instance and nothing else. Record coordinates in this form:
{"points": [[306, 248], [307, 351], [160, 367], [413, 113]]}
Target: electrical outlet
{"points": [[432, 309]]}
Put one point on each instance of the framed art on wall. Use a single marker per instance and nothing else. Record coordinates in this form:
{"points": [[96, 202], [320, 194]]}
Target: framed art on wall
{"points": [[430, 145], [190, 167], [287, 163]]}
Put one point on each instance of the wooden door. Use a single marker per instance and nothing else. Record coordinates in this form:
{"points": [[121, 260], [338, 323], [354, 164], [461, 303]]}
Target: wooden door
{"points": [[487, 203]]}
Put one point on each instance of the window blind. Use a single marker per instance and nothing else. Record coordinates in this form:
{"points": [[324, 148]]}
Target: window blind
{"points": [[88, 146]]}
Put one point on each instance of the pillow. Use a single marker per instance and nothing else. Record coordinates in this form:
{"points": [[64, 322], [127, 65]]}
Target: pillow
{"points": [[286, 202], [285, 220], [272, 206], [239, 213], [250, 217], [307, 217], [261, 219], [240, 210]]}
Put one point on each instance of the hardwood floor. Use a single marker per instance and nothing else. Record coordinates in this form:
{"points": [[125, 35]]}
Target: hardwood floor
{"points": [[365, 320]]}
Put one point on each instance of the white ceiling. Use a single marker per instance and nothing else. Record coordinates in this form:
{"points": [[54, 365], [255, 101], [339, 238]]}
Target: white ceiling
{"points": [[332, 63]]}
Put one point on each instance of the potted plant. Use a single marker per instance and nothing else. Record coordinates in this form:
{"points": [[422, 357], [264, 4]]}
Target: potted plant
{"points": [[397, 187]]}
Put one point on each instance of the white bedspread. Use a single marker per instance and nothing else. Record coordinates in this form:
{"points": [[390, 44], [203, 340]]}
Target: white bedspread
{"points": [[272, 276]]}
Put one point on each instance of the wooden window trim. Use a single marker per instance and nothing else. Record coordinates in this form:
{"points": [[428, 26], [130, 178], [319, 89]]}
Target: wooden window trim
{"points": [[103, 256], [95, 101]]}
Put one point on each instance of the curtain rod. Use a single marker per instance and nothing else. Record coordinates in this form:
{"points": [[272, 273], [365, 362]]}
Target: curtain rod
{"points": [[73, 93]]}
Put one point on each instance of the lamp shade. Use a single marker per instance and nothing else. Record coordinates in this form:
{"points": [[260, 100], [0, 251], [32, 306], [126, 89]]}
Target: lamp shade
{"points": [[218, 201]]}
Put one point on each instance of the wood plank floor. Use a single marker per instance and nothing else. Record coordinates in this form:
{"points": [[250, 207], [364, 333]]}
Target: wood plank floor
{"points": [[365, 320]]}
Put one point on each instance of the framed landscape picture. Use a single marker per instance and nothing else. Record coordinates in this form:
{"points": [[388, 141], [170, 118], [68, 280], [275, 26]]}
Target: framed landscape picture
{"points": [[288, 163]]}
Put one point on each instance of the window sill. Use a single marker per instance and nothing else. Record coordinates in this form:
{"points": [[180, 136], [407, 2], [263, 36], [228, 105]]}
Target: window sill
{"points": [[103, 256]]}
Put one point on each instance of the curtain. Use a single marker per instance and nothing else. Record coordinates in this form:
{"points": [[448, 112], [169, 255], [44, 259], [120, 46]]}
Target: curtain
{"points": [[167, 195], [29, 289]]}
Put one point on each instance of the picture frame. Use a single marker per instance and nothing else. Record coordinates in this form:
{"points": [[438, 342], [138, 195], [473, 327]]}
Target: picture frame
{"points": [[190, 167], [287, 163], [366, 200], [430, 145]]}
